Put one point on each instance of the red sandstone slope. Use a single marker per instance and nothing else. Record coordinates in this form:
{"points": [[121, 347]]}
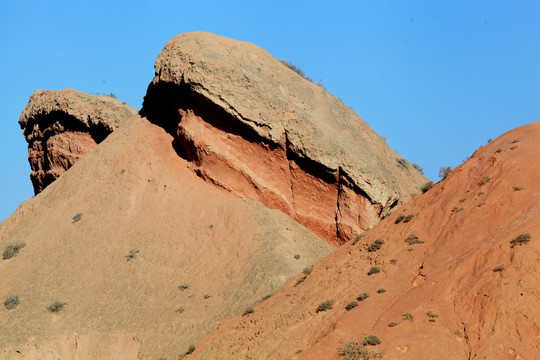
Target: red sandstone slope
{"points": [[465, 224], [133, 193]]}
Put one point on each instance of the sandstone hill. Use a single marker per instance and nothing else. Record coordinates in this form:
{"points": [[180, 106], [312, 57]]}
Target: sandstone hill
{"points": [[461, 278], [147, 257], [252, 126], [62, 126]]}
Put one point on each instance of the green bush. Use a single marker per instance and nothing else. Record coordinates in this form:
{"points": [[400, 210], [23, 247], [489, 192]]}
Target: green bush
{"points": [[191, 349], [376, 245], [357, 238], [444, 171], [183, 286], [408, 218], [484, 180], [371, 340], [393, 261], [374, 270], [408, 316], [362, 296], [308, 270], [431, 314], [413, 239], [132, 254], [351, 305], [13, 249], [56, 306], [393, 324], [499, 268], [11, 301], [299, 281], [355, 351], [325, 305], [520, 240], [77, 217], [381, 290], [399, 219], [427, 186], [297, 257], [248, 311]]}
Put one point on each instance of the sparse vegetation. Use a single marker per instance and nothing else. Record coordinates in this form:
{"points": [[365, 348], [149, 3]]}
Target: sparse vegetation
{"points": [[408, 218], [11, 301], [373, 270], [399, 219], [427, 186], [393, 261], [248, 311], [207, 296], [484, 180], [520, 240], [183, 286], [444, 171], [515, 141], [393, 324], [362, 296], [355, 351], [458, 333], [77, 217], [191, 349], [371, 340], [300, 72], [402, 163], [413, 239], [299, 281], [180, 310], [517, 188], [351, 305], [481, 204], [514, 147], [381, 290], [132, 254], [308, 270], [357, 239], [418, 168], [111, 95], [462, 200], [376, 245], [499, 268], [56, 306], [408, 316], [297, 257], [455, 209], [298, 351], [432, 320], [13, 249], [325, 305], [431, 314], [498, 150]]}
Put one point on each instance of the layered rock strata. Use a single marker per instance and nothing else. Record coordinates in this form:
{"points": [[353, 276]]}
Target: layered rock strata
{"points": [[62, 126], [252, 126]]}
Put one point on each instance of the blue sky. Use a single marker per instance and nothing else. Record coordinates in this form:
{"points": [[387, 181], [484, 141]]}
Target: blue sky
{"points": [[436, 78]]}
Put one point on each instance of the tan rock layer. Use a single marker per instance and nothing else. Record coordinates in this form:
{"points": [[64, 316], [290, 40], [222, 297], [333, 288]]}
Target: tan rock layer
{"points": [[62, 126]]}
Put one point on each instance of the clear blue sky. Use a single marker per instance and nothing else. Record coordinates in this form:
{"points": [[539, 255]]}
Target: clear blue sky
{"points": [[437, 78]]}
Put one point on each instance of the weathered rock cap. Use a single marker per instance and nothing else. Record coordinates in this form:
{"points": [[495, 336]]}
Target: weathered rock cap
{"points": [[283, 108], [62, 126]]}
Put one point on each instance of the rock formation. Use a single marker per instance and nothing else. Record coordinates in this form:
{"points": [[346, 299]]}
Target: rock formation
{"points": [[62, 126], [252, 126], [458, 280]]}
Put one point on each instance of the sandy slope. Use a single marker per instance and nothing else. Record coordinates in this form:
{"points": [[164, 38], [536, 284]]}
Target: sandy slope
{"points": [[466, 222], [134, 192]]}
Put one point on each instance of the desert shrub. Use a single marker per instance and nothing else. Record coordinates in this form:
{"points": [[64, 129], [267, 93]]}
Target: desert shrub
{"points": [[517, 188], [77, 217], [376, 245], [132, 254], [374, 270], [357, 239], [514, 147], [499, 268], [402, 163], [431, 314], [351, 305], [56, 306], [301, 280], [191, 349], [410, 249], [418, 168], [458, 333], [207, 296], [371, 340], [308, 270], [362, 296], [183, 286], [498, 150], [298, 351], [444, 171], [515, 141], [355, 351], [484, 180], [399, 219], [462, 200], [393, 324], [432, 320], [248, 311], [455, 209], [295, 68], [297, 257], [325, 305], [520, 240], [427, 186], [11, 301], [13, 249], [408, 218], [381, 290], [393, 261], [180, 310], [413, 239], [408, 316], [265, 297]]}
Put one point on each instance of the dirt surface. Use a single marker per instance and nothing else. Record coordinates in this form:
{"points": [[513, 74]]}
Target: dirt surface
{"points": [[62, 126], [471, 295], [133, 195]]}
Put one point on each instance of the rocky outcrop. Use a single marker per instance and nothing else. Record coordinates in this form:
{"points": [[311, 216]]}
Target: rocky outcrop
{"points": [[465, 287], [252, 126], [62, 126]]}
